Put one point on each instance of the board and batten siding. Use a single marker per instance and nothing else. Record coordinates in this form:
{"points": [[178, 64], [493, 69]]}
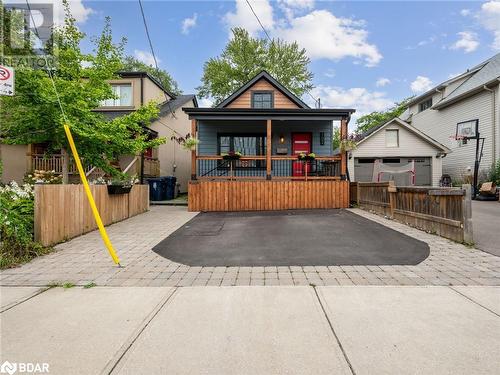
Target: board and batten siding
{"points": [[410, 146], [441, 124], [245, 99]]}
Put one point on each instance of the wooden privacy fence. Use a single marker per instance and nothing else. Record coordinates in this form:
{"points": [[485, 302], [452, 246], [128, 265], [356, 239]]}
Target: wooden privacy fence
{"points": [[63, 211], [444, 211], [265, 195]]}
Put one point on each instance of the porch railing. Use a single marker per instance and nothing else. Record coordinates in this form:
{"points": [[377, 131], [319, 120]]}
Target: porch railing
{"points": [[254, 167], [151, 167], [54, 163]]}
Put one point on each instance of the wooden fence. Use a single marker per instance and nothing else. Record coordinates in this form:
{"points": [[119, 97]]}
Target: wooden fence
{"points": [[264, 195], [444, 211], [63, 211]]}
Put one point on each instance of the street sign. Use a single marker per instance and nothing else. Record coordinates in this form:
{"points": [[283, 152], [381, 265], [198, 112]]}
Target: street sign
{"points": [[6, 80]]}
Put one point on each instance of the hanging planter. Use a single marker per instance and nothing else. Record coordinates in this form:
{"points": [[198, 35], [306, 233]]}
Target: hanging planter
{"points": [[348, 145], [306, 157], [119, 189], [232, 155]]}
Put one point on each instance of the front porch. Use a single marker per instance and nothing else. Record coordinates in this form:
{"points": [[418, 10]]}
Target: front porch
{"points": [[268, 175]]}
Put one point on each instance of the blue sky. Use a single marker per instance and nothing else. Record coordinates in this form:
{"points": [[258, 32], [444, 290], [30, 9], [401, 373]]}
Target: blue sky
{"points": [[364, 55]]}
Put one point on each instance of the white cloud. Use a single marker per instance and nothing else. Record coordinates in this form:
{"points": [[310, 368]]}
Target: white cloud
{"points": [[205, 102], [467, 42], [359, 98], [243, 16], [324, 35], [79, 11], [189, 23], [421, 84], [489, 17], [465, 12], [298, 4], [381, 82], [330, 73], [145, 57]]}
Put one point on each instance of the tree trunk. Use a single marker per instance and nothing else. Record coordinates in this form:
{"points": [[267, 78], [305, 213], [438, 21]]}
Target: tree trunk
{"points": [[65, 166]]}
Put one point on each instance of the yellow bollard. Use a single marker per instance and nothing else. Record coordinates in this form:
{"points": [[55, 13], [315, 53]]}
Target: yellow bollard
{"points": [[97, 217]]}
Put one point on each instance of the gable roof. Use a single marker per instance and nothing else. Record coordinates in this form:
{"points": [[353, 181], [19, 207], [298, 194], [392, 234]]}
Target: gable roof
{"points": [[141, 74], [476, 77], [408, 127], [487, 74], [263, 75], [172, 105]]}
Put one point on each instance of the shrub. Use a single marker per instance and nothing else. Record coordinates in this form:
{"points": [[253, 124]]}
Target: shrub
{"points": [[43, 177], [16, 225], [494, 174]]}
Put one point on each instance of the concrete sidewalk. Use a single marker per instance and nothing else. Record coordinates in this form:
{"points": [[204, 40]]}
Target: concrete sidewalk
{"points": [[254, 330]]}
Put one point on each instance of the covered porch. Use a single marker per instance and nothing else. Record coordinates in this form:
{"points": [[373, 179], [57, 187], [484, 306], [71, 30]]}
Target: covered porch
{"points": [[268, 174]]}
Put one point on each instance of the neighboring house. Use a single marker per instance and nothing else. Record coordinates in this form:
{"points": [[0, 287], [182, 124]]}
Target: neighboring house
{"points": [[397, 151], [270, 126], [473, 95], [133, 89]]}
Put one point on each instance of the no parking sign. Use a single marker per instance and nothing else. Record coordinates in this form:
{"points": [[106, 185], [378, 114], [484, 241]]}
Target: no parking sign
{"points": [[6, 80]]}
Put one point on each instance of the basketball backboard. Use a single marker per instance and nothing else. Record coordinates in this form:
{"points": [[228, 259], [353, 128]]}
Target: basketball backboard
{"points": [[467, 129]]}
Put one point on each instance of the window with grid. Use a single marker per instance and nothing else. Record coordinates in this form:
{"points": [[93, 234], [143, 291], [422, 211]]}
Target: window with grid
{"points": [[426, 104], [262, 100], [246, 144], [123, 96]]}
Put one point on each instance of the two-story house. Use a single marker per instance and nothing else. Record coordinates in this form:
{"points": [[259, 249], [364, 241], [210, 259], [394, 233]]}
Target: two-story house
{"points": [[132, 90], [472, 97]]}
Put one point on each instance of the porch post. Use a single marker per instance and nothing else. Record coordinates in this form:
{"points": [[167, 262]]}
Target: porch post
{"points": [[193, 152], [343, 135], [269, 149]]}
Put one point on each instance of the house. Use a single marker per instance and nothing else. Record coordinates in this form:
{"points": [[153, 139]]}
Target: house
{"points": [[397, 151], [270, 127], [132, 89], [469, 98]]}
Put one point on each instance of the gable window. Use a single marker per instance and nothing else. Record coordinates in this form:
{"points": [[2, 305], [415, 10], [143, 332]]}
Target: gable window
{"points": [[262, 99], [123, 96], [426, 104], [392, 138]]}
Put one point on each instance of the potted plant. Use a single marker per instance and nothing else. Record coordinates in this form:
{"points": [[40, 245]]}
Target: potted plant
{"points": [[231, 155], [190, 143], [121, 185], [348, 145], [306, 157]]}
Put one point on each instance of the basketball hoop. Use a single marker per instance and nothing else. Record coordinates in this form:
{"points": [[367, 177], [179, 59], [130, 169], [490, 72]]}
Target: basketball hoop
{"points": [[460, 139]]}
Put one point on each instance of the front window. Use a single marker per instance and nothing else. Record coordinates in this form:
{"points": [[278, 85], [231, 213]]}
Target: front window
{"points": [[392, 138], [246, 144], [426, 104], [123, 96], [262, 100]]}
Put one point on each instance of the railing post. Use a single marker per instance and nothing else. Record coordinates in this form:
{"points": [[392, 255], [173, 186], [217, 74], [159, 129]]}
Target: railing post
{"points": [[467, 214], [193, 152], [392, 189], [343, 154], [269, 149]]}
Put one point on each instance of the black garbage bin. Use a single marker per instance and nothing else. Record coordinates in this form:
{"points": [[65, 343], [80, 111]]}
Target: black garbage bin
{"points": [[157, 190], [170, 183]]}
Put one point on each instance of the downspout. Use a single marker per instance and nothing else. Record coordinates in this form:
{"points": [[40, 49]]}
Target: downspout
{"points": [[494, 122]]}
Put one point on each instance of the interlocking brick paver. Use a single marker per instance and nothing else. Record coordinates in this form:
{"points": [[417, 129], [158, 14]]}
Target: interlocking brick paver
{"points": [[84, 259]]}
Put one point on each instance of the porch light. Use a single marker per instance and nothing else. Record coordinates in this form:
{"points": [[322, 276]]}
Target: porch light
{"points": [[282, 138]]}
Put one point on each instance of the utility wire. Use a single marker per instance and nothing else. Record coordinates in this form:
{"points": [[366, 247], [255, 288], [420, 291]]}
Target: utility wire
{"points": [[317, 102], [167, 99]]}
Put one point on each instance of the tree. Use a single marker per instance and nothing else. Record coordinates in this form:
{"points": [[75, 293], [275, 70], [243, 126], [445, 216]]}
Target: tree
{"points": [[134, 65], [244, 57], [366, 122], [34, 114]]}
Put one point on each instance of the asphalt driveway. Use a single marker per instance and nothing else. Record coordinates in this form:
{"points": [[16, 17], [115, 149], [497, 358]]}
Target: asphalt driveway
{"points": [[289, 238], [485, 220]]}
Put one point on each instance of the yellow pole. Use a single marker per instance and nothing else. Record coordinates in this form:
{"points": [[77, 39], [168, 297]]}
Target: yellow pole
{"points": [[93, 206]]}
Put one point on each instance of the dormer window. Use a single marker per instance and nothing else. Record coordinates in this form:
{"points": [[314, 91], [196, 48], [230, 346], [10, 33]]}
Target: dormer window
{"points": [[123, 96], [262, 99], [426, 104]]}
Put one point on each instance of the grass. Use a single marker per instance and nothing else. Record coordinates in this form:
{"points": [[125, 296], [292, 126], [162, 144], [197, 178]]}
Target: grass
{"points": [[8, 260], [89, 285], [68, 285]]}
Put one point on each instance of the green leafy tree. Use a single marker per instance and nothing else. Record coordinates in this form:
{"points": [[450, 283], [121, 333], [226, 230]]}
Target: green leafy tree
{"points": [[366, 122], [34, 115], [130, 63], [244, 57]]}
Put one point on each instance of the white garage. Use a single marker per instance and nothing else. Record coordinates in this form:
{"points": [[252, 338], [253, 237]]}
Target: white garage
{"points": [[396, 151]]}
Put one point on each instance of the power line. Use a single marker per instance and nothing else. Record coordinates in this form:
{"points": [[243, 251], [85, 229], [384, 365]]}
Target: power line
{"points": [[167, 99], [317, 102]]}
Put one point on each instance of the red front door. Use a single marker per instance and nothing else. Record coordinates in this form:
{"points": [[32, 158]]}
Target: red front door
{"points": [[301, 143]]}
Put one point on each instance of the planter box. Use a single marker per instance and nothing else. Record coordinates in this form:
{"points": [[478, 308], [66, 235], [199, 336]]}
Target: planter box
{"points": [[119, 189]]}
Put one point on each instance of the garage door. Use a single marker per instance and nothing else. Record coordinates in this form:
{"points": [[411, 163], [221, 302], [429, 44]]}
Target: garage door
{"points": [[363, 170]]}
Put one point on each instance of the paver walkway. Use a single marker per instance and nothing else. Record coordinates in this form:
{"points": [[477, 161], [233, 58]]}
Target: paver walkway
{"points": [[84, 260]]}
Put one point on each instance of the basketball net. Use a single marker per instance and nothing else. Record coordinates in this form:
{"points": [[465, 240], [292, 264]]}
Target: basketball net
{"points": [[460, 139]]}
